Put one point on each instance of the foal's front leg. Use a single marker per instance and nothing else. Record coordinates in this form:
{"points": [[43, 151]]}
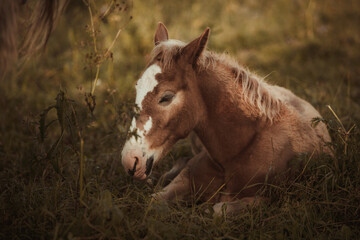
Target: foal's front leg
{"points": [[196, 147], [199, 179], [177, 189], [179, 165], [180, 187]]}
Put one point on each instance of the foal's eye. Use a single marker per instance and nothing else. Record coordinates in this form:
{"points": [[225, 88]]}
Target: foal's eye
{"points": [[166, 98]]}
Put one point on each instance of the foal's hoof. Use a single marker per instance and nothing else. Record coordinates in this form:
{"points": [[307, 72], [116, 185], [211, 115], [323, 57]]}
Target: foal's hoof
{"points": [[218, 209], [221, 209], [159, 196], [229, 208]]}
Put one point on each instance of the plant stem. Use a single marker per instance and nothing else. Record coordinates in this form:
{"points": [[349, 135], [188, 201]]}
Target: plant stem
{"points": [[95, 80], [81, 168]]}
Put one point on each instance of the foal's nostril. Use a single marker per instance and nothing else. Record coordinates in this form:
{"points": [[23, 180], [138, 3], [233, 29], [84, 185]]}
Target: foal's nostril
{"points": [[132, 171]]}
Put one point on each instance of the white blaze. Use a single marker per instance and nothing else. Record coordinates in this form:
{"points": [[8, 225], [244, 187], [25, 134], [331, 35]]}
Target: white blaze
{"points": [[141, 133], [145, 84], [148, 125]]}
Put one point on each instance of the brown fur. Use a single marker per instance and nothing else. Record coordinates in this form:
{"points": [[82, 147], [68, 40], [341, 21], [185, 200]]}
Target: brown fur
{"points": [[254, 89], [248, 128]]}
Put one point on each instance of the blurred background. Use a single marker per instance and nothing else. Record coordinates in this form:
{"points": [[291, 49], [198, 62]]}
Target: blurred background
{"points": [[311, 47]]}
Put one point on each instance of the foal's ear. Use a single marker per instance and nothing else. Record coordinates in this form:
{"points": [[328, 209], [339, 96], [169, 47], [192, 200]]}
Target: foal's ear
{"points": [[161, 34], [192, 51]]}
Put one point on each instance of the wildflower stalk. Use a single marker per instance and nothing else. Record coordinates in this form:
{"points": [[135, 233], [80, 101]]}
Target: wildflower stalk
{"points": [[108, 50]]}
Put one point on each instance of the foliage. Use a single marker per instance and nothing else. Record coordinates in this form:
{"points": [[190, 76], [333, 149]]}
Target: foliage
{"points": [[66, 113]]}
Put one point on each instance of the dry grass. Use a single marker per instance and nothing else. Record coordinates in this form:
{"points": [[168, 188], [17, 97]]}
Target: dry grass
{"points": [[310, 47]]}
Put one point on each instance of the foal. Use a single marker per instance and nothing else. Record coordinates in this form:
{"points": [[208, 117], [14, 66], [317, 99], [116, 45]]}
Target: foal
{"points": [[248, 129]]}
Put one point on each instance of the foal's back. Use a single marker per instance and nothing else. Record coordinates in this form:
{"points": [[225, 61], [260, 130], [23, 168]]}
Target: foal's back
{"points": [[297, 116]]}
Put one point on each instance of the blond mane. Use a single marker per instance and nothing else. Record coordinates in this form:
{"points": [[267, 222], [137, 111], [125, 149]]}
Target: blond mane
{"points": [[254, 89]]}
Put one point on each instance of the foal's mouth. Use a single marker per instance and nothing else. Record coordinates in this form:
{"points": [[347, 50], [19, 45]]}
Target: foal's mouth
{"points": [[140, 173], [149, 164]]}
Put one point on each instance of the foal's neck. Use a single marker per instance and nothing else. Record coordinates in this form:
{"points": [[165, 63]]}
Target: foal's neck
{"points": [[228, 127]]}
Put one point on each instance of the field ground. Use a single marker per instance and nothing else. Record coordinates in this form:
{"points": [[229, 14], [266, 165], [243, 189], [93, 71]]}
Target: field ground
{"points": [[47, 129]]}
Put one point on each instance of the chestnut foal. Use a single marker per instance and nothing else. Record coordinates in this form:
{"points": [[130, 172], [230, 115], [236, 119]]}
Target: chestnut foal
{"points": [[248, 129]]}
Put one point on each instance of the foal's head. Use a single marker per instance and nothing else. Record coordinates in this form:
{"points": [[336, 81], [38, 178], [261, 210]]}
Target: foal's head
{"points": [[168, 99]]}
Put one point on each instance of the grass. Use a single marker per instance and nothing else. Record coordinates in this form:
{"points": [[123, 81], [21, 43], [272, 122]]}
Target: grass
{"points": [[49, 138]]}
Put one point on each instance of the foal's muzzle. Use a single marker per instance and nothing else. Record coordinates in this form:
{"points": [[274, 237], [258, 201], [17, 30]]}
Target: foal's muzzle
{"points": [[133, 170], [148, 166]]}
